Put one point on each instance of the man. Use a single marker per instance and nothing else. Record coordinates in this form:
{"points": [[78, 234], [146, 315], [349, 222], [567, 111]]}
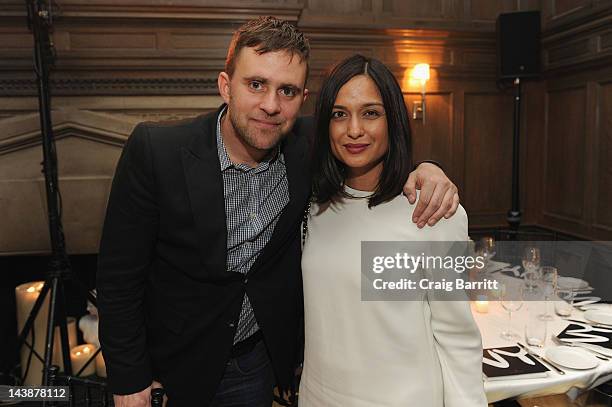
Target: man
{"points": [[199, 283]]}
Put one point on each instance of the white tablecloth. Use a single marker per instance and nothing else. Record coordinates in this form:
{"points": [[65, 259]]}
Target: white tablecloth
{"points": [[573, 382]]}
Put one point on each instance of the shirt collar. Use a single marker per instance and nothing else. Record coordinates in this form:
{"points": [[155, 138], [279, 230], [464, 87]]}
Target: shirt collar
{"points": [[223, 156]]}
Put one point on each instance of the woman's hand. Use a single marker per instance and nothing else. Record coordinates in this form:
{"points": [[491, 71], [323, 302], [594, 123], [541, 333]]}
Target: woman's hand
{"points": [[439, 196]]}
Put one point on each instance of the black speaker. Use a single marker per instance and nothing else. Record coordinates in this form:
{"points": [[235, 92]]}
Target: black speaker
{"points": [[518, 45]]}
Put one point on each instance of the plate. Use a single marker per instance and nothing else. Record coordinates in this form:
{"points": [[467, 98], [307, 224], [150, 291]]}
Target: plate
{"points": [[573, 358], [582, 301], [571, 283], [599, 316], [596, 348], [587, 345], [597, 306], [493, 266]]}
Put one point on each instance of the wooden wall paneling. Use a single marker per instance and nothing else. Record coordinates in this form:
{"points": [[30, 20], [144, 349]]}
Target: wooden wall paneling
{"points": [[134, 46], [16, 44], [569, 51], [595, 180], [141, 46], [527, 5], [532, 150], [338, 7], [457, 163], [486, 10], [414, 13], [434, 139], [470, 15], [110, 48], [606, 41], [15, 38], [578, 42], [433, 9], [565, 154], [487, 156], [590, 153], [602, 217], [561, 8], [324, 13]]}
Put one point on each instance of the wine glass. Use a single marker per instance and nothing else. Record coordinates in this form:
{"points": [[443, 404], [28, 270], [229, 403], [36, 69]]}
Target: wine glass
{"points": [[486, 249], [488, 245], [531, 265], [549, 286], [511, 298]]}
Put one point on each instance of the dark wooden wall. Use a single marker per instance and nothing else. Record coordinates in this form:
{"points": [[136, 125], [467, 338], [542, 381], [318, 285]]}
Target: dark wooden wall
{"points": [[571, 146], [121, 61]]}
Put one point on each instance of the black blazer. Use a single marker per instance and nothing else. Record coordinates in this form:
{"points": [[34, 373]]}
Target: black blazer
{"points": [[166, 302]]}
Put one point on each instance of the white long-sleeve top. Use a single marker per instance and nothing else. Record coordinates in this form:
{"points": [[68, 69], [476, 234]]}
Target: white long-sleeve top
{"points": [[381, 353]]}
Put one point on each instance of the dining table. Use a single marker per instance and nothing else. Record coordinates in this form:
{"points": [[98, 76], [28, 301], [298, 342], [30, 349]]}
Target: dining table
{"points": [[495, 320]]}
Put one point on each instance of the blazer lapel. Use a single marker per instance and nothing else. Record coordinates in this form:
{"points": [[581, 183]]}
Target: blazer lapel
{"points": [[205, 187]]}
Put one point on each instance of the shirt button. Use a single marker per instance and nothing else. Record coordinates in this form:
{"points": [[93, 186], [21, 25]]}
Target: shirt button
{"points": [[246, 280], [231, 325]]}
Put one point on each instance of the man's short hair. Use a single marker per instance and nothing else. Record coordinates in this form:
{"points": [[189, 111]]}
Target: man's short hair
{"points": [[267, 34]]}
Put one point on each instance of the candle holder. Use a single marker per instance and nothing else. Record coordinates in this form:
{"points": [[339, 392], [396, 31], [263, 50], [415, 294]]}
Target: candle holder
{"points": [[482, 304]]}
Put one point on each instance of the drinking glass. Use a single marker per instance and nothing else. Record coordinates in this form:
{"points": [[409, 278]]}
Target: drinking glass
{"points": [[487, 246], [549, 287], [565, 305], [535, 331], [511, 298], [531, 265]]}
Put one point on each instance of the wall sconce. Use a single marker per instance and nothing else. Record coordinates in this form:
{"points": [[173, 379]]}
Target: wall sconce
{"points": [[420, 74]]}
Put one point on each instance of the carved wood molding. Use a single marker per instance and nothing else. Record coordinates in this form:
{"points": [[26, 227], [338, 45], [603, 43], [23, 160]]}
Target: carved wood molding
{"points": [[579, 44], [23, 131], [151, 10], [179, 71], [61, 131], [113, 86]]}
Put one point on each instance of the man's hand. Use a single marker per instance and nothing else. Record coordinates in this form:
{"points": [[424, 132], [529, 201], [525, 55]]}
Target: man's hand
{"points": [[438, 197], [140, 399]]}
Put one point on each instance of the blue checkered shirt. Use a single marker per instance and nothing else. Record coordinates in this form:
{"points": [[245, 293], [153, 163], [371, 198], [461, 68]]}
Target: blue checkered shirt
{"points": [[254, 200]]}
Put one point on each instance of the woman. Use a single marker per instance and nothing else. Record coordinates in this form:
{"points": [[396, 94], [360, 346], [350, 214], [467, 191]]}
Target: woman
{"points": [[377, 353]]}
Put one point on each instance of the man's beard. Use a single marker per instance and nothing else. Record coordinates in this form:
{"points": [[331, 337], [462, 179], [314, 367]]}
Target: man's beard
{"points": [[271, 138]]}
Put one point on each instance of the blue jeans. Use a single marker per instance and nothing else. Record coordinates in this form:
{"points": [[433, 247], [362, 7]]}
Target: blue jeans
{"points": [[248, 381]]}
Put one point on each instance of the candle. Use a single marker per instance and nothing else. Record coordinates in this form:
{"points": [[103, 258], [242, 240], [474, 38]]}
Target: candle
{"points": [[25, 297], [72, 341], [482, 304], [79, 355], [100, 365]]}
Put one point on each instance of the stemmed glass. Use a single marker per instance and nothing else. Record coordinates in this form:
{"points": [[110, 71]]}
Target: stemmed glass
{"points": [[486, 248], [549, 286], [512, 300], [531, 264]]}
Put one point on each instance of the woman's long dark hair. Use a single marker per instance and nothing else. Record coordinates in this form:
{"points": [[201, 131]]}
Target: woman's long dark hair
{"points": [[329, 172]]}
